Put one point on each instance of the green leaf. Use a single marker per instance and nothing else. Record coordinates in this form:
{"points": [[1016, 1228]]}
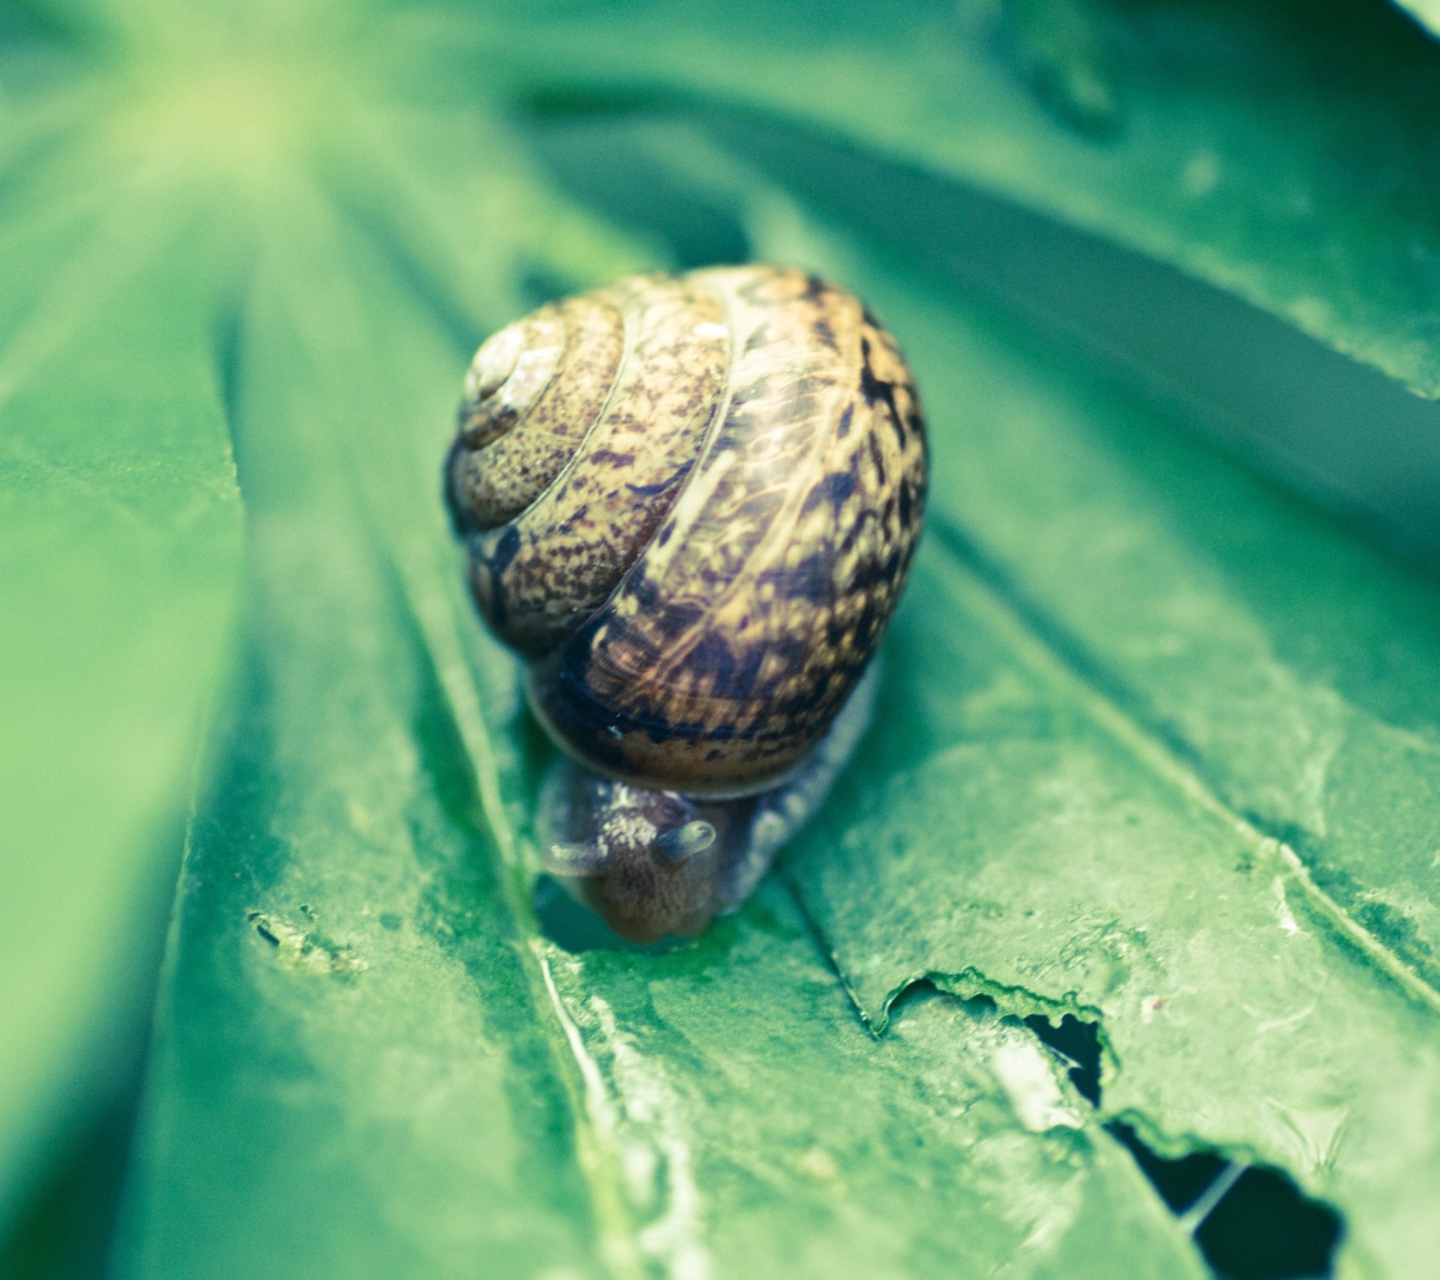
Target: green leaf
{"points": [[120, 555], [1281, 151], [348, 942], [1156, 751], [1093, 816], [350, 1062]]}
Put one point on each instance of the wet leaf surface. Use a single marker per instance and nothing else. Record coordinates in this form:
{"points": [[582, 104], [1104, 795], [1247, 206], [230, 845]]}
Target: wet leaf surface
{"points": [[1115, 952]]}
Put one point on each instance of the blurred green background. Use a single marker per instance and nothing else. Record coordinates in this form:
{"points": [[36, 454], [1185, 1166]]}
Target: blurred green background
{"points": [[1118, 950]]}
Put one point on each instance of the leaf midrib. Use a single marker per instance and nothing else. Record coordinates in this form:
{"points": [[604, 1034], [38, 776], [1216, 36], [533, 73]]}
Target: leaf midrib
{"points": [[432, 610]]}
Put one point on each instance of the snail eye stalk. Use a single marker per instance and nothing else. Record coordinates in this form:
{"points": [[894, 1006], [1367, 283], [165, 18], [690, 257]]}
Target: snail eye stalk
{"points": [[574, 859], [685, 842]]}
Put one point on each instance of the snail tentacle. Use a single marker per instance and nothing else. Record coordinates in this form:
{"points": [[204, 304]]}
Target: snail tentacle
{"points": [[569, 858]]}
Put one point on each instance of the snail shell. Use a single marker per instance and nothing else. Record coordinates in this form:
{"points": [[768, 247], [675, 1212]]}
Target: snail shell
{"points": [[691, 503]]}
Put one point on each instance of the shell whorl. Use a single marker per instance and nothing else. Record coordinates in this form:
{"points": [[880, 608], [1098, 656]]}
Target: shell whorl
{"points": [[691, 503]]}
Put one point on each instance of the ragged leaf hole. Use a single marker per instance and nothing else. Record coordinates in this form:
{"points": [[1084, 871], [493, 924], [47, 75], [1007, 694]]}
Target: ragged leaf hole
{"points": [[1079, 1043], [1264, 1227]]}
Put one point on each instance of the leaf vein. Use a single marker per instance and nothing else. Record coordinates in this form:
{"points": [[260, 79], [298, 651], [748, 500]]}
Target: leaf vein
{"points": [[1050, 650]]}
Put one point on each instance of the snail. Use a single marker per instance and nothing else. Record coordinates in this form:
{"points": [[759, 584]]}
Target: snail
{"points": [[690, 503]]}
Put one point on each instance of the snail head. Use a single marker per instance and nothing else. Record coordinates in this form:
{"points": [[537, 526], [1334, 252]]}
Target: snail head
{"points": [[645, 861]]}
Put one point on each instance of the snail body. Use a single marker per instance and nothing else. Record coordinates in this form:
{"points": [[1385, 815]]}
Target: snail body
{"points": [[691, 504]]}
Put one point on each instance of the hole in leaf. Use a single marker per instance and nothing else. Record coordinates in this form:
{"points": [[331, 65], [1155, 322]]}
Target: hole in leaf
{"points": [[1249, 1223], [1080, 1043], [1262, 1227], [1180, 1182], [920, 991], [1266, 1228]]}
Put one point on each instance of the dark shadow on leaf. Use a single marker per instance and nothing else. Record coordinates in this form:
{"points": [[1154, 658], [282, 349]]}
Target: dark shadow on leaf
{"points": [[607, 163], [539, 285], [64, 1232], [565, 102], [574, 927]]}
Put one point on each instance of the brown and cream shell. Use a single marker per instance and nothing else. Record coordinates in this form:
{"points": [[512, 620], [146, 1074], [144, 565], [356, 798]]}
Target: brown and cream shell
{"points": [[691, 503]]}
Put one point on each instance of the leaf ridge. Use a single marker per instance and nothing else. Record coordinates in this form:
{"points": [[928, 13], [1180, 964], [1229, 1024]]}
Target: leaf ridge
{"points": [[431, 609], [1053, 653], [427, 590], [111, 252]]}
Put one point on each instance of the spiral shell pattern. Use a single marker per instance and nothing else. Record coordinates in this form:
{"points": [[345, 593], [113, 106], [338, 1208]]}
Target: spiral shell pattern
{"points": [[691, 503]]}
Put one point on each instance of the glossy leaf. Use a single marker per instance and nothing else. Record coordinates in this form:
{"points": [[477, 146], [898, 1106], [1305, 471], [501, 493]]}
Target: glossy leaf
{"points": [[1155, 753], [120, 556], [1281, 151], [348, 943]]}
